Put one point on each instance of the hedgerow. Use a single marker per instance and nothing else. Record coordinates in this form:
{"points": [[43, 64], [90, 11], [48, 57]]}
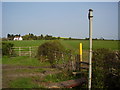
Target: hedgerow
{"points": [[7, 49], [106, 72]]}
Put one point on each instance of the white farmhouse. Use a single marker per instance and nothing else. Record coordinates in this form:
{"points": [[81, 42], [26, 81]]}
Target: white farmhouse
{"points": [[18, 38]]}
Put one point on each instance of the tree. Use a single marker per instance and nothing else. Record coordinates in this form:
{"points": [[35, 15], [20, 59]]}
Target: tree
{"points": [[58, 37], [8, 35], [42, 36], [70, 38], [102, 38], [48, 37]]}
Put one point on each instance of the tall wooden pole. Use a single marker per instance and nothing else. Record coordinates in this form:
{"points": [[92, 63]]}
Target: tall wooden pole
{"points": [[90, 16]]}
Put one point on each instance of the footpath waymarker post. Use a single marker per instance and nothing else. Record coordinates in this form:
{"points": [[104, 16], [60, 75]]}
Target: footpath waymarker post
{"points": [[90, 17], [80, 52]]}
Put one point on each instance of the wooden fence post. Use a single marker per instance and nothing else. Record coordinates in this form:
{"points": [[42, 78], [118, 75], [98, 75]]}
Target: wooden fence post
{"points": [[73, 64], [55, 56], [19, 51], [62, 57], [30, 51]]}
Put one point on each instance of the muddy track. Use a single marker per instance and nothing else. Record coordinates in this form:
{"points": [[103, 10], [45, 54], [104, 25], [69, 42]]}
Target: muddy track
{"points": [[10, 67], [26, 74], [41, 74], [10, 73]]}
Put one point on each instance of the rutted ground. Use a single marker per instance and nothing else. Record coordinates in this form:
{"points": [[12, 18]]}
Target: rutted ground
{"points": [[11, 73]]}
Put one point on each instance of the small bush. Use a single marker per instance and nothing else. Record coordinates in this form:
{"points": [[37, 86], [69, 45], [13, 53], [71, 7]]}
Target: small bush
{"points": [[48, 51], [7, 49]]}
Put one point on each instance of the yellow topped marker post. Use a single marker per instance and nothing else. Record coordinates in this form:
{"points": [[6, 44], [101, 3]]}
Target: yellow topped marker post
{"points": [[80, 52]]}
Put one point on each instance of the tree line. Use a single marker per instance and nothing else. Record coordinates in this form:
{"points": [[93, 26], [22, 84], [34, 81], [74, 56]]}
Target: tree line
{"points": [[31, 36]]}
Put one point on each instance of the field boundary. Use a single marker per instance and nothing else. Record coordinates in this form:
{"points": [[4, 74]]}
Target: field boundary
{"points": [[25, 51]]}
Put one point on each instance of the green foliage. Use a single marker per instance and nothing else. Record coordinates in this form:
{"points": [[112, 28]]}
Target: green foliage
{"points": [[106, 73], [48, 50], [7, 49], [29, 36], [60, 77], [23, 83]]}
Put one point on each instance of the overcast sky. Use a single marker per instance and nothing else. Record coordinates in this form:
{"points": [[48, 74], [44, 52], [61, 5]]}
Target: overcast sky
{"points": [[64, 19]]}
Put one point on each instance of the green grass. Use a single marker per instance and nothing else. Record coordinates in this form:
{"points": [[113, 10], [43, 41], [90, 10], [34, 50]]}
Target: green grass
{"points": [[68, 44], [23, 83], [74, 44], [23, 61], [71, 44], [59, 77]]}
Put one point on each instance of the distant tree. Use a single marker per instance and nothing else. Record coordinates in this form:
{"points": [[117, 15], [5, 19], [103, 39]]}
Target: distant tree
{"points": [[102, 38], [16, 35], [58, 37], [12, 37], [26, 37], [86, 38], [42, 36], [94, 38], [48, 37], [19, 35], [8, 35], [70, 38], [53, 38]]}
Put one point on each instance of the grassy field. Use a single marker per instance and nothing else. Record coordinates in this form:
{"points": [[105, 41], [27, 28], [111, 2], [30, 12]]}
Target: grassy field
{"points": [[71, 44], [15, 77], [23, 61]]}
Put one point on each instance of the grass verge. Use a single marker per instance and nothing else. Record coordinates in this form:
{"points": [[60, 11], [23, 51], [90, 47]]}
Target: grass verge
{"points": [[59, 77], [23, 61], [23, 83]]}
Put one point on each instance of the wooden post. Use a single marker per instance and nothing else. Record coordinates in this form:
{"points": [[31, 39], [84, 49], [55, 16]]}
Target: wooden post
{"points": [[30, 51], [55, 57], [62, 58], [19, 51]]}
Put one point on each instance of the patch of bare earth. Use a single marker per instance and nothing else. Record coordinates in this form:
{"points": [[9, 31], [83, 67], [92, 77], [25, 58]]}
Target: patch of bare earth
{"points": [[10, 73]]}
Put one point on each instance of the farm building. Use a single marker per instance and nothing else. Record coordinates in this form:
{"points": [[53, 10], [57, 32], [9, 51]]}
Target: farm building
{"points": [[18, 38]]}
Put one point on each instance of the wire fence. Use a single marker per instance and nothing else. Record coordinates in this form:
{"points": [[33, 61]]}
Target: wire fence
{"points": [[65, 60]]}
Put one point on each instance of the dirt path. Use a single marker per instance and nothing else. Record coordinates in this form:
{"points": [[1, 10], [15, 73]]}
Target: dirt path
{"points": [[11, 73], [41, 74], [12, 67]]}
